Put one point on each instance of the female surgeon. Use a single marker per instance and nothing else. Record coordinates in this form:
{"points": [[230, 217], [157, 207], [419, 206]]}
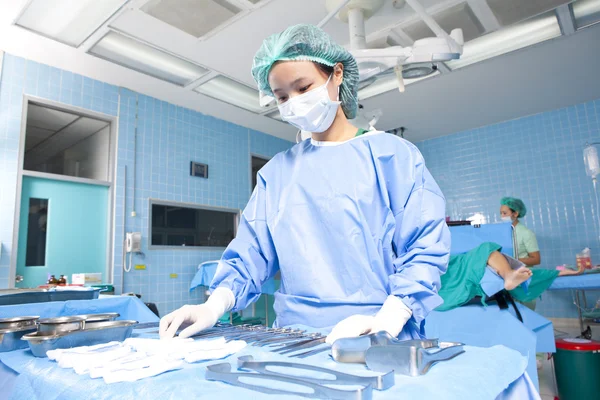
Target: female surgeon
{"points": [[353, 221]]}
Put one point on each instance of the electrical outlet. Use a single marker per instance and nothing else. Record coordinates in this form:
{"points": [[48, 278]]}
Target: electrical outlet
{"points": [[140, 267]]}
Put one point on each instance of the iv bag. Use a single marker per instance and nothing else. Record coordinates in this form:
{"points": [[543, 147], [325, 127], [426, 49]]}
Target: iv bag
{"points": [[590, 158]]}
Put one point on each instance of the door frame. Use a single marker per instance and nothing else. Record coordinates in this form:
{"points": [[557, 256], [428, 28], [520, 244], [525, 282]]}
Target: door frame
{"points": [[111, 183], [255, 155]]}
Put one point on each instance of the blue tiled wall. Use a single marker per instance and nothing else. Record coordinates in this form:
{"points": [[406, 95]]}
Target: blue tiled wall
{"points": [[168, 138], [538, 159]]}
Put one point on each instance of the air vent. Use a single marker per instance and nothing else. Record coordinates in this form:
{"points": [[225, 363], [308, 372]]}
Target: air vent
{"points": [[509, 12], [459, 16], [195, 17]]}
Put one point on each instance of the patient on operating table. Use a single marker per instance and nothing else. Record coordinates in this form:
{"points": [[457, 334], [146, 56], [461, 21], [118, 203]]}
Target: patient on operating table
{"points": [[462, 281]]}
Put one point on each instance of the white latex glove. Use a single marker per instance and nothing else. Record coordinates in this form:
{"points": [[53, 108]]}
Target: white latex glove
{"points": [[353, 326], [201, 316], [391, 318]]}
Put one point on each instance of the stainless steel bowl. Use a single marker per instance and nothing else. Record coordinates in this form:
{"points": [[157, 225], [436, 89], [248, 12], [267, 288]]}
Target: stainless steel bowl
{"points": [[100, 317], [17, 323], [61, 324], [10, 339], [110, 324], [104, 332]]}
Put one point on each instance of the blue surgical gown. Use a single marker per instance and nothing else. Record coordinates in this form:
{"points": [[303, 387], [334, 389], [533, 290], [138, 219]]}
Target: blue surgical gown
{"points": [[347, 225]]}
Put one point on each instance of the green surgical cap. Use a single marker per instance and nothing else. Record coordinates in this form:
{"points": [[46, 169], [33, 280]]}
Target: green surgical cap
{"points": [[307, 43], [515, 205]]}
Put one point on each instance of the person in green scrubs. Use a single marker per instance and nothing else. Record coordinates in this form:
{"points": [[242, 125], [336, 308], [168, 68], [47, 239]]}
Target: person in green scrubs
{"points": [[528, 251]]}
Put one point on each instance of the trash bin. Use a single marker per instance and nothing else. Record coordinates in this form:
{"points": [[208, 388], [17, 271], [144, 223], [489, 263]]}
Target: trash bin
{"points": [[577, 368]]}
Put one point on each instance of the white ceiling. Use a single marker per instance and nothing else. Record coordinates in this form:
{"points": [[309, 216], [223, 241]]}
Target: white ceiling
{"points": [[552, 74]]}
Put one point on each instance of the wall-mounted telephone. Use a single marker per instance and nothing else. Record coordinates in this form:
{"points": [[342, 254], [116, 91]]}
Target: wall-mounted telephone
{"points": [[133, 242]]}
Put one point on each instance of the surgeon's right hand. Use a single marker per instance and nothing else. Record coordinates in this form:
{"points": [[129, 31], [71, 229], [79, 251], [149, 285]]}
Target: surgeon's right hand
{"points": [[201, 316]]}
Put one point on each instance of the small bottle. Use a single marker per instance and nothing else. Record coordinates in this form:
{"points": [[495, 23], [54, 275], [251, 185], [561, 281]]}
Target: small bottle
{"points": [[53, 280], [62, 280], [587, 258]]}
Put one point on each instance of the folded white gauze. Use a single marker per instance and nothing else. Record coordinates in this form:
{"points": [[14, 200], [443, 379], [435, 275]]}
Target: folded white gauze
{"points": [[69, 360], [83, 363], [175, 349], [126, 362], [54, 355], [215, 354], [159, 366], [157, 346], [138, 358]]}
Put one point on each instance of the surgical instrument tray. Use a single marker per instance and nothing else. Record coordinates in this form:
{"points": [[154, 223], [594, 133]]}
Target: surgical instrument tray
{"points": [[222, 372], [379, 382]]}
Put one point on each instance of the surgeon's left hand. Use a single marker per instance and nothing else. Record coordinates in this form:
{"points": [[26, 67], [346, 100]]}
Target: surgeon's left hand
{"points": [[391, 318]]}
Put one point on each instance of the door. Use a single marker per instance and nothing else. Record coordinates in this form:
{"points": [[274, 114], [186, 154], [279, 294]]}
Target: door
{"points": [[63, 229]]}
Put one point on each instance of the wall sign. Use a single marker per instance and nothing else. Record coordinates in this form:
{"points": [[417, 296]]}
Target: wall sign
{"points": [[199, 170]]}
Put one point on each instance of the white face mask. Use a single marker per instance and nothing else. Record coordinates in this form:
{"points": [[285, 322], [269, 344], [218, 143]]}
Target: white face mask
{"points": [[506, 219], [313, 111]]}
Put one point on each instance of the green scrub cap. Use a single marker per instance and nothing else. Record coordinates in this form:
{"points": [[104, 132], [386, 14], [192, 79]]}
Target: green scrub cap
{"points": [[307, 43], [515, 205]]}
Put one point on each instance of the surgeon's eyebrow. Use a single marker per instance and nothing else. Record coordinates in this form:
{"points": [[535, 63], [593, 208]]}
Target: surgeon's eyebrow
{"points": [[294, 83]]}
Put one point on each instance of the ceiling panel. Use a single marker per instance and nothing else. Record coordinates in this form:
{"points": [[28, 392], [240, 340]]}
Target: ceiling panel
{"points": [[459, 16], [195, 17], [67, 21], [35, 136], [509, 12], [47, 118]]}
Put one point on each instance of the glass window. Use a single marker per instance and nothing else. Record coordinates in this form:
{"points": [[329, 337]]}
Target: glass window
{"points": [[65, 143], [257, 164], [184, 225], [36, 233]]}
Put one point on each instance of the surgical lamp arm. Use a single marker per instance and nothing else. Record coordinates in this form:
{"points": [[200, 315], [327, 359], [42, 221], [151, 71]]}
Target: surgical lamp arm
{"points": [[433, 25]]}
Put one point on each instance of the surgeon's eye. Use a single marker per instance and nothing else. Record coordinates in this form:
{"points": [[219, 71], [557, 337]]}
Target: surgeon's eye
{"points": [[304, 88], [282, 99]]}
